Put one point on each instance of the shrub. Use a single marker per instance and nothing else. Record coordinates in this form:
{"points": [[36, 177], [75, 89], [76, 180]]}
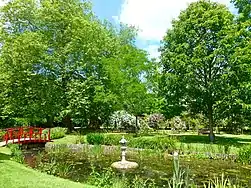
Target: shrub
{"points": [[144, 128], [113, 139], [245, 154], [155, 120], [177, 124], [16, 153], [80, 139], [58, 132], [123, 120], [159, 143], [95, 138]]}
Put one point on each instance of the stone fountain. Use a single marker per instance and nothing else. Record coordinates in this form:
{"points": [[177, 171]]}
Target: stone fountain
{"points": [[124, 164]]}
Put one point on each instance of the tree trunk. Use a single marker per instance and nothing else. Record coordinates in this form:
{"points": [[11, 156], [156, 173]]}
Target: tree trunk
{"points": [[211, 122], [68, 123]]}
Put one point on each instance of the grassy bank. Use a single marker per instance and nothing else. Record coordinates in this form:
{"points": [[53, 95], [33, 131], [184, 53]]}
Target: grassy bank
{"points": [[15, 175]]}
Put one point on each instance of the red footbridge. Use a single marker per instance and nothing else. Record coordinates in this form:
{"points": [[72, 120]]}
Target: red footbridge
{"points": [[25, 135]]}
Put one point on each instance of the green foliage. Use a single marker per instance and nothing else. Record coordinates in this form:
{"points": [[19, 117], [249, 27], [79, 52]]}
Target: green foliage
{"points": [[108, 178], [16, 153], [244, 154], [195, 59], [144, 128], [221, 183], [57, 169], [195, 122], [2, 133], [56, 162], [105, 179], [244, 9], [113, 139], [81, 139], [58, 132], [71, 64], [180, 177], [95, 138], [177, 124], [140, 183], [157, 143]]}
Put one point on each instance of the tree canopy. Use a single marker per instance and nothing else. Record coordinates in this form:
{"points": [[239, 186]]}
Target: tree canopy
{"points": [[58, 60], [195, 59]]}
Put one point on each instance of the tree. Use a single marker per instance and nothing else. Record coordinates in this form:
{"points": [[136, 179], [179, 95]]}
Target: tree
{"points": [[195, 60], [235, 106], [244, 9], [60, 61]]}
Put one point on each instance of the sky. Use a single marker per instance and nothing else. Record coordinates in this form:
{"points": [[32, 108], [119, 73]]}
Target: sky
{"points": [[152, 17]]}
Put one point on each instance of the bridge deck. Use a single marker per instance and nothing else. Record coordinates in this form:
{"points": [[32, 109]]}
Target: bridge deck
{"points": [[2, 144]]}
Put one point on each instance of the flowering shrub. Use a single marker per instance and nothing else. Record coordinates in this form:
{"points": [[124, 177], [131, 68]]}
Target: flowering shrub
{"points": [[177, 124], [123, 120], [155, 120]]}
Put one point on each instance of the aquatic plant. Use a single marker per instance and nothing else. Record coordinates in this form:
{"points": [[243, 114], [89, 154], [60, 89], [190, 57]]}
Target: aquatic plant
{"points": [[222, 182], [180, 177]]}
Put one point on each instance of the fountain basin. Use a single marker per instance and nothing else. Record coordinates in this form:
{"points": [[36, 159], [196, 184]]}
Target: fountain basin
{"points": [[123, 165]]}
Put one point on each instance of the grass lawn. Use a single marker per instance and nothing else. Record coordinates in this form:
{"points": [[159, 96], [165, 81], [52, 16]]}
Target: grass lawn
{"points": [[68, 139], [15, 175]]}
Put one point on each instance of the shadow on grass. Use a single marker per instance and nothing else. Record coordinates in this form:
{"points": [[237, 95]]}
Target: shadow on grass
{"points": [[204, 139], [4, 156]]}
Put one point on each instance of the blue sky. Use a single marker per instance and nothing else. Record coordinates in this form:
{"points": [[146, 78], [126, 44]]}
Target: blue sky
{"points": [[152, 17]]}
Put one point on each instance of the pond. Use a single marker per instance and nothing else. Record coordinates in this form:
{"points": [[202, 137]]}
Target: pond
{"points": [[152, 165]]}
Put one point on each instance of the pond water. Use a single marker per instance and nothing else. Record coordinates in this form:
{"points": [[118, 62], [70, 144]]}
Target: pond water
{"points": [[157, 167]]}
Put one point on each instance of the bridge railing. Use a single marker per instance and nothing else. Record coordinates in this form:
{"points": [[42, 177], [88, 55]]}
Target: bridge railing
{"points": [[26, 134]]}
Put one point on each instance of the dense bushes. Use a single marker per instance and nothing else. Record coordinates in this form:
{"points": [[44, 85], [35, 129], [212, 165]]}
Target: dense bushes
{"points": [[245, 154], [58, 132], [159, 143]]}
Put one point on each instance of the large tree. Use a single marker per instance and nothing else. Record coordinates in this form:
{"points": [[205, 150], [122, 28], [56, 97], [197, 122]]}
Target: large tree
{"points": [[60, 61], [195, 60], [236, 104]]}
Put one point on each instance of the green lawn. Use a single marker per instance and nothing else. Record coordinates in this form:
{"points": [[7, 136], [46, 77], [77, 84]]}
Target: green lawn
{"points": [[15, 175], [68, 139]]}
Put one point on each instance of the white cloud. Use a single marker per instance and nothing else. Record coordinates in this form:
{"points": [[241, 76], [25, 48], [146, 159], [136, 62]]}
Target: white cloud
{"points": [[153, 51], [153, 17]]}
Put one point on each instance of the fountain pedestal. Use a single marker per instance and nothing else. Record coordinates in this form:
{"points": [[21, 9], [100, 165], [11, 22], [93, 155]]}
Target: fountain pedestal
{"points": [[124, 164]]}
